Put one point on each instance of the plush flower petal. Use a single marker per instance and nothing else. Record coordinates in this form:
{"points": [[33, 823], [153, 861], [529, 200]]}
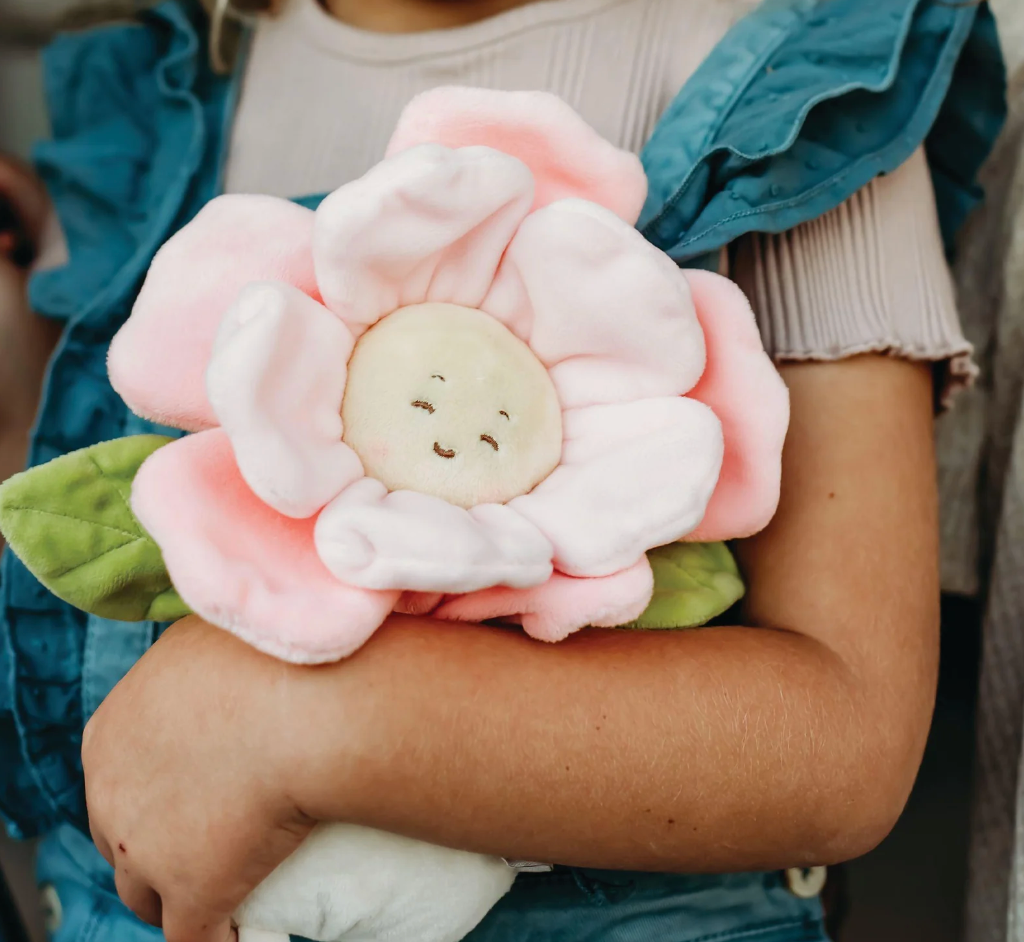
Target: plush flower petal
{"points": [[412, 541], [633, 476], [562, 605], [751, 401], [276, 381], [567, 157], [241, 565], [158, 358], [430, 224], [608, 313]]}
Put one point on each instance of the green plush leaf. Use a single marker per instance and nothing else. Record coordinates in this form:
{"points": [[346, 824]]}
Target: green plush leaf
{"points": [[70, 522], [693, 583]]}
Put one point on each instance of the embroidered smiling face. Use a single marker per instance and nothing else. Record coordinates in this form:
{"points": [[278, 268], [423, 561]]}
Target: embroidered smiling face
{"points": [[445, 400]]}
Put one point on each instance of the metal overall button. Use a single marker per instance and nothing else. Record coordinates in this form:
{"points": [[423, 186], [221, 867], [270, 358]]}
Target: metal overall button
{"points": [[806, 882], [528, 866]]}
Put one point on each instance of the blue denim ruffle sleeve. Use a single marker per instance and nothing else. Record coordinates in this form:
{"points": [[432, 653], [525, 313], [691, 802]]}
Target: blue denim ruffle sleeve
{"points": [[804, 103]]}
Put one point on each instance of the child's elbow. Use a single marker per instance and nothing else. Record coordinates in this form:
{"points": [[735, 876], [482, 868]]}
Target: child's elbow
{"points": [[869, 822], [879, 773]]}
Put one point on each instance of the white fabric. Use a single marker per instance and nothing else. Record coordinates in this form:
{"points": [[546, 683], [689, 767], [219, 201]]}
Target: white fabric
{"points": [[359, 885], [617, 63]]}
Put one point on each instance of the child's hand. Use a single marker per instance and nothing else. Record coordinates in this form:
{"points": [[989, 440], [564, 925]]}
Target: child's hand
{"points": [[186, 780]]}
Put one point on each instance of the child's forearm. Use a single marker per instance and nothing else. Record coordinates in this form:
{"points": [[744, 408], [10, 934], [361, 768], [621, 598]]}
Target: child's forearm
{"points": [[712, 750]]}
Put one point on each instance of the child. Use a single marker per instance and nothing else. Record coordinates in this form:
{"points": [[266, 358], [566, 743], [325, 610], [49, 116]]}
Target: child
{"points": [[761, 751]]}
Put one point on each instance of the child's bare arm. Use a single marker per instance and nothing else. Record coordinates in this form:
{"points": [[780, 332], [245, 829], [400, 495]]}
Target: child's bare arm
{"points": [[792, 742]]}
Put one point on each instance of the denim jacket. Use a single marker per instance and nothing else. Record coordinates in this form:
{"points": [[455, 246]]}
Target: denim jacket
{"points": [[800, 105]]}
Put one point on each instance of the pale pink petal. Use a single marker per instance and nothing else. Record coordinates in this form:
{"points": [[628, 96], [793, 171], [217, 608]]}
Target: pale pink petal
{"points": [[567, 157], [411, 541], [633, 476], [241, 565], [608, 313], [158, 359], [430, 224], [276, 381], [562, 605], [751, 401]]}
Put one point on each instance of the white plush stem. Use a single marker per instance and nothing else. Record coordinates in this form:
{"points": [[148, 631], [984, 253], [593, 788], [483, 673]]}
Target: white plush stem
{"points": [[346, 883], [247, 934]]}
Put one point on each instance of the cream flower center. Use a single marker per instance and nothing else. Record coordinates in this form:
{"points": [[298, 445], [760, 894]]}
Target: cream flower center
{"points": [[447, 401]]}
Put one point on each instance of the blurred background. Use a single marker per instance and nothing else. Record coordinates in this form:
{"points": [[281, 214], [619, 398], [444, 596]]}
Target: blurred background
{"points": [[910, 888]]}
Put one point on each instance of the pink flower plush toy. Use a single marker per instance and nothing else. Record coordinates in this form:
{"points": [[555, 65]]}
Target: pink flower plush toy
{"points": [[465, 386]]}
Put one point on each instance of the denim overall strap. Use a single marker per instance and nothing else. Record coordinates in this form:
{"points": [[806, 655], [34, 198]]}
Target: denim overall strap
{"points": [[805, 103]]}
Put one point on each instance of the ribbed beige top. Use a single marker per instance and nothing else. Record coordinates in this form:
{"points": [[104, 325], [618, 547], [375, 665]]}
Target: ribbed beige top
{"points": [[870, 276], [320, 100]]}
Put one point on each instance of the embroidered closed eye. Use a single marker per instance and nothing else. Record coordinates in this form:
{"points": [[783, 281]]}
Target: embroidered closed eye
{"points": [[421, 404], [490, 441]]}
